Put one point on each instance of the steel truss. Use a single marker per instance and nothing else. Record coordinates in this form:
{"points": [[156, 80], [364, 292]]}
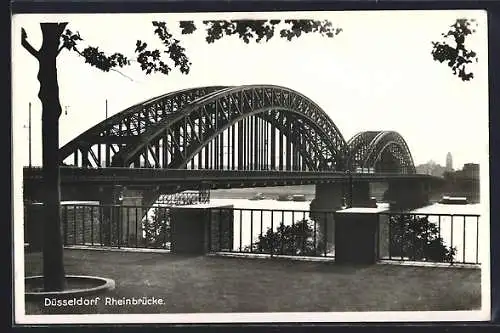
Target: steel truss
{"points": [[255, 127], [235, 128], [385, 151]]}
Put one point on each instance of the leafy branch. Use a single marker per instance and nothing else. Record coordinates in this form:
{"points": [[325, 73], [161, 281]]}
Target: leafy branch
{"points": [[150, 59], [458, 56], [259, 30]]}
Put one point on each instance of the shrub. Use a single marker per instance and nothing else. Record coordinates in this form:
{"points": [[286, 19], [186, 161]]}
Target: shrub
{"points": [[418, 239], [157, 228], [296, 239]]}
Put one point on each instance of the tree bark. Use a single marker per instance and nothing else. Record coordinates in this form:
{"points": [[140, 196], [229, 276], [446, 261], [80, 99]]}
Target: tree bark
{"points": [[53, 265]]}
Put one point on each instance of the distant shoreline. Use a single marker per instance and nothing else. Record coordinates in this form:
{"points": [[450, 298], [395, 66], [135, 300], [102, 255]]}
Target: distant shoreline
{"points": [[269, 192]]}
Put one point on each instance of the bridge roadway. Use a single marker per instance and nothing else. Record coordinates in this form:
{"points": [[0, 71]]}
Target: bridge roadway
{"points": [[216, 178]]}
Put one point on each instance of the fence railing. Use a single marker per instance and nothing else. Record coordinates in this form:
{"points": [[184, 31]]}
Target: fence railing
{"points": [[451, 238], [400, 236], [116, 226], [105, 226], [446, 238], [273, 232]]}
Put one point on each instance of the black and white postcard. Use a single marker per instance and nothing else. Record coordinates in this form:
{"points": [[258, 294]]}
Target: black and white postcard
{"points": [[251, 167]]}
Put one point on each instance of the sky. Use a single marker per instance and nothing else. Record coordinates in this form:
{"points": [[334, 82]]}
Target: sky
{"points": [[377, 74]]}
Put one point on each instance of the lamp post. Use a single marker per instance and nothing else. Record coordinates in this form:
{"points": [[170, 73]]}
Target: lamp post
{"points": [[29, 133], [349, 170], [265, 153]]}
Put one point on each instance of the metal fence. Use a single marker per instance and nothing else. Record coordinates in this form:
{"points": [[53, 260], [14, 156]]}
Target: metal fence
{"points": [[116, 226], [450, 238], [274, 232], [97, 225], [445, 238]]}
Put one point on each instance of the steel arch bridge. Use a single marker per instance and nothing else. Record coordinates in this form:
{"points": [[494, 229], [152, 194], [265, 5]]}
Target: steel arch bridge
{"points": [[384, 151], [252, 127]]}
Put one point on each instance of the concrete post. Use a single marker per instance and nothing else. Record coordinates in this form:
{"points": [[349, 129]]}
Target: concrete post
{"points": [[358, 236], [199, 230], [383, 239]]}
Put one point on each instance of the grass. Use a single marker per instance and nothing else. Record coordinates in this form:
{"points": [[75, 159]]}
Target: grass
{"points": [[194, 284]]}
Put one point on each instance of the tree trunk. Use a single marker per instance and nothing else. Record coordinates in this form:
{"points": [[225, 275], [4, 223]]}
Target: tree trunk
{"points": [[53, 266]]}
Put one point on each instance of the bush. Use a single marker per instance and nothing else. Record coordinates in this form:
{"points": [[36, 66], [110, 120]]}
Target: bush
{"points": [[157, 228], [418, 239], [297, 239]]}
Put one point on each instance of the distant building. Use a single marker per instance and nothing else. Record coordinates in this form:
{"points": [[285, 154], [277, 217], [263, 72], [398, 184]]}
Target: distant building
{"points": [[464, 183], [430, 168], [470, 170], [449, 162]]}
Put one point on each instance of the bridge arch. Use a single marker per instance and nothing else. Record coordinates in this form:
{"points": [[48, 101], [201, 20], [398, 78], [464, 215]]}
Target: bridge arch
{"points": [[253, 127], [248, 127], [96, 146], [313, 141], [384, 151]]}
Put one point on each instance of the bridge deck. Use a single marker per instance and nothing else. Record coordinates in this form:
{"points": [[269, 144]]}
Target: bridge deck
{"points": [[71, 175]]}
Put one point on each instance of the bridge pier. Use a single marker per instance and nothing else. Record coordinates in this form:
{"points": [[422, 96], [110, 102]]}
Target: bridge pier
{"points": [[123, 212], [361, 195], [407, 194], [328, 198]]}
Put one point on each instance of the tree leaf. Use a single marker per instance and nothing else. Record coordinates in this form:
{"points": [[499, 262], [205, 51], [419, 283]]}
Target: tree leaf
{"points": [[457, 56]]}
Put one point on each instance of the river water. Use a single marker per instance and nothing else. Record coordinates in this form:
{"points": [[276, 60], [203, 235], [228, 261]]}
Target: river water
{"points": [[457, 231]]}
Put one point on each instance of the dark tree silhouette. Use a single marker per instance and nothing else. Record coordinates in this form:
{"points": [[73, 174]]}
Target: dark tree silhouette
{"points": [[56, 37], [453, 51]]}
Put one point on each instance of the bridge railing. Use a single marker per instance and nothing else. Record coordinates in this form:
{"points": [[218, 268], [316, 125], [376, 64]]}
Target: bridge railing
{"points": [[450, 238], [70, 171]]}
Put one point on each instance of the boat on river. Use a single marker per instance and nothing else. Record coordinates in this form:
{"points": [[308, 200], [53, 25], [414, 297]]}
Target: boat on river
{"points": [[258, 196], [453, 200]]}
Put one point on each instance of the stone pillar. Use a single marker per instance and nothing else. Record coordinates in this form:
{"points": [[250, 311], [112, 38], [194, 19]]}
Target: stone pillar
{"points": [[361, 195], [407, 194], [201, 230], [188, 230], [328, 199], [383, 239], [357, 236], [33, 226]]}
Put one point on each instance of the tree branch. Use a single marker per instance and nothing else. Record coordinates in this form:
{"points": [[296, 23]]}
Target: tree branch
{"points": [[128, 77], [27, 45], [61, 27], [60, 49]]}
